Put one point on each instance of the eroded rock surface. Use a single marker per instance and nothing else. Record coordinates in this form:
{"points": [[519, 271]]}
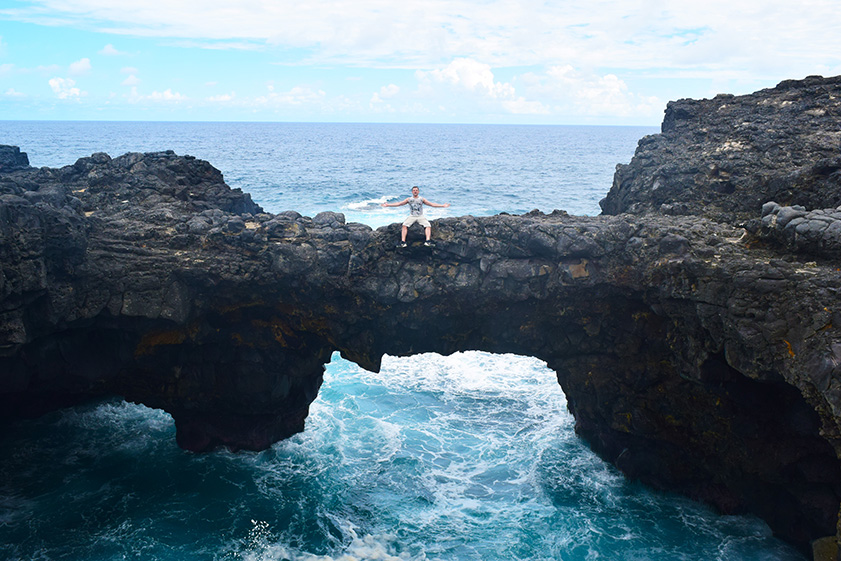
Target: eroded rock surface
{"points": [[725, 157], [696, 355], [816, 232]]}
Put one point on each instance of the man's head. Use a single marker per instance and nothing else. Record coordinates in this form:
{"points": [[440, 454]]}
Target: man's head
{"points": [[415, 191]]}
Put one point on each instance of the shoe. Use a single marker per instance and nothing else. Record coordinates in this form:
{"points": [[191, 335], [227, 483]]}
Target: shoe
{"points": [[402, 244], [429, 243]]}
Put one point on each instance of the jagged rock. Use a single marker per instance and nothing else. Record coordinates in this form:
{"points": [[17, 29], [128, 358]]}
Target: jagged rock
{"points": [[727, 156], [695, 354], [11, 158]]}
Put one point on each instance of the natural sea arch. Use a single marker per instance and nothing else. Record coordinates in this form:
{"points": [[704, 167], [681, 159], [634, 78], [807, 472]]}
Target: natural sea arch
{"points": [[686, 352], [654, 338]]}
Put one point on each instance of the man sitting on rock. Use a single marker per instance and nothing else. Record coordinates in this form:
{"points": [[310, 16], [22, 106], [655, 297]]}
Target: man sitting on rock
{"points": [[416, 203]]}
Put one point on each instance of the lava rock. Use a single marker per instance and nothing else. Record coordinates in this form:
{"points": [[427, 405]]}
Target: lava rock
{"points": [[696, 354]]}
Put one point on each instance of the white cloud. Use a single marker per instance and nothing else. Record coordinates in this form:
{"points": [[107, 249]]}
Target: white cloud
{"points": [[222, 98], [465, 76], [540, 57], [710, 37], [470, 75], [64, 88], [386, 92], [110, 50], [11, 92], [390, 90], [80, 67], [166, 95], [299, 95], [573, 91], [521, 106], [378, 106], [468, 85]]}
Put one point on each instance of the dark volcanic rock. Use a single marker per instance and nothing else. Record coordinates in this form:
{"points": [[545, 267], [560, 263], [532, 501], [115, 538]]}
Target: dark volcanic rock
{"points": [[727, 156], [813, 232], [696, 355], [11, 158]]}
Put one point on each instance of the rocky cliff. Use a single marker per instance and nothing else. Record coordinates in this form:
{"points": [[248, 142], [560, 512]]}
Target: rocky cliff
{"points": [[727, 156], [695, 329]]}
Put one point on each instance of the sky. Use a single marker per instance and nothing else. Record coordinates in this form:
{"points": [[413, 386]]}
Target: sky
{"points": [[601, 62]]}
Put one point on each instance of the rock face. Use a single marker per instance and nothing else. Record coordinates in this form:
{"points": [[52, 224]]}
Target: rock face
{"points": [[696, 354], [11, 158], [725, 157]]}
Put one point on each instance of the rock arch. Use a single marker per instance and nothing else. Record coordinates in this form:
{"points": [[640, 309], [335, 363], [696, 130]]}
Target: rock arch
{"points": [[695, 331], [654, 335]]}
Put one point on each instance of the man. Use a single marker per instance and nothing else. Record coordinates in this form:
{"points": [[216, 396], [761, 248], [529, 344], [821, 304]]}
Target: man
{"points": [[416, 203]]}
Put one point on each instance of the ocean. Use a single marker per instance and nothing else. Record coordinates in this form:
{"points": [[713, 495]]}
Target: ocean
{"points": [[471, 456]]}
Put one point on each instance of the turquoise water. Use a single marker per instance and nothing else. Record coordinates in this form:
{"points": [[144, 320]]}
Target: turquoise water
{"points": [[466, 457], [471, 456]]}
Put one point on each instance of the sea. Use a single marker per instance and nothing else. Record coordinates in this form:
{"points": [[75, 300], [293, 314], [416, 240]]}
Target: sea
{"points": [[471, 456]]}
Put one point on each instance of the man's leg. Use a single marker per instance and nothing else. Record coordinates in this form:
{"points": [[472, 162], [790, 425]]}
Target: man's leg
{"points": [[428, 231], [403, 233]]}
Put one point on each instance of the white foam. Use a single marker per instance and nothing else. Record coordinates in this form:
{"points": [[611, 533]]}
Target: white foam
{"points": [[261, 547], [368, 204], [116, 413], [372, 213], [465, 431]]}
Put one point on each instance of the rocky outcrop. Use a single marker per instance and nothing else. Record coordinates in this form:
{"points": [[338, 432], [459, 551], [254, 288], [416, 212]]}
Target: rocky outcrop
{"points": [[696, 355], [725, 157], [11, 158]]}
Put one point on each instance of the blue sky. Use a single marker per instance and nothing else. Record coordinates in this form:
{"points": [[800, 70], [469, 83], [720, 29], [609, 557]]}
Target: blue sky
{"points": [[440, 61]]}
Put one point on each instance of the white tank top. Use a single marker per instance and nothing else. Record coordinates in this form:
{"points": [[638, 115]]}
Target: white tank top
{"points": [[416, 206]]}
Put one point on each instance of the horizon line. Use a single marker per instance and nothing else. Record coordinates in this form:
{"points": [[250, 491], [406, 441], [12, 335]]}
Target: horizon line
{"points": [[326, 123]]}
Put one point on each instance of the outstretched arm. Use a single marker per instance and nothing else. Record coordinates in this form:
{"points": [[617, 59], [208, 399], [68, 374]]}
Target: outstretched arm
{"points": [[401, 203], [430, 203]]}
